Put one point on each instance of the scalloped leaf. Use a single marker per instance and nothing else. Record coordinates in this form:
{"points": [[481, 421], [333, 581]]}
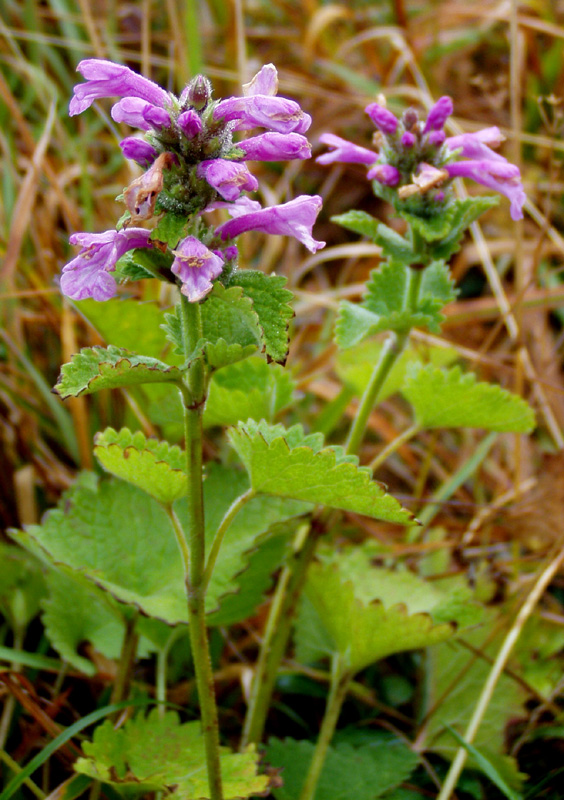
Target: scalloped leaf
{"points": [[97, 368], [119, 537], [384, 306], [394, 246], [151, 753], [288, 464], [156, 467], [431, 228], [250, 388], [271, 304], [76, 611], [334, 619], [355, 365], [453, 399], [362, 773]]}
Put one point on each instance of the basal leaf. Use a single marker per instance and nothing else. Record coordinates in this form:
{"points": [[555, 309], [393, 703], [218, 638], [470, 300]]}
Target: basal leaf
{"points": [[156, 467], [250, 388], [284, 466], [362, 773], [96, 368], [456, 677], [119, 537], [22, 586], [271, 304], [452, 399], [355, 365], [156, 753], [368, 621], [385, 305], [75, 612]]}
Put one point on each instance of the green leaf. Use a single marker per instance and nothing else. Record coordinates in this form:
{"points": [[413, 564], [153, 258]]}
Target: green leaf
{"points": [[75, 612], [431, 228], [451, 399], [250, 388], [465, 213], [362, 773], [288, 464], [358, 222], [456, 678], [97, 368], [155, 754], [144, 263], [170, 229], [367, 614], [127, 323], [355, 365], [119, 537], [22, 586], [385, 305], [270, 302], [487, 765], [156, 467]]}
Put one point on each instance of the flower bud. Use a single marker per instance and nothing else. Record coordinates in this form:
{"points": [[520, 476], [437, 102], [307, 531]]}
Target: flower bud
{"points": [[197, 94]]}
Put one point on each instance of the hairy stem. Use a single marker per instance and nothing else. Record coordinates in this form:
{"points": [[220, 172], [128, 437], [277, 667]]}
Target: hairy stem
{"points": [[340, 680], [392, 349], [230, 514], [194, 569]]}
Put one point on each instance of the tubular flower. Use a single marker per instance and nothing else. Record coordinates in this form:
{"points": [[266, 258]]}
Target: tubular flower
{"points": [[295, 218], [196, 266], [106, 79], [192, 162], [88, 275], [416, 162]]}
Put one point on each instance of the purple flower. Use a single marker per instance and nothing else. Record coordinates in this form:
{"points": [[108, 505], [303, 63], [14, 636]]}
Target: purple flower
{"points": [[138, 150], [295, 218], [106, 79], [436, 138], [190, 123], [478, 144], [501, 176], [140, 114], [229, 178], [345, 152], [384, 173], [264, 82], [275, 147], [408, 139], [382, 118], [265, 111], [88, 275], [439, 114], [196, 266]]}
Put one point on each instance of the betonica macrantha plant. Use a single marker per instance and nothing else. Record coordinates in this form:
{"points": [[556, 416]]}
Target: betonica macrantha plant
{"points": [[193, 157]]}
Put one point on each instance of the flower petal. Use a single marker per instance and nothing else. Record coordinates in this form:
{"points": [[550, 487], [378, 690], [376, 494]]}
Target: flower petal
{"points": [[106, 79], [196, 266]]}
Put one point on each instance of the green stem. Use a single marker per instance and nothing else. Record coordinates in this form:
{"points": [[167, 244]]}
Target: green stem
{"points": [[392, 349], [394, 445], [277, 633], [194, 575], [230, 514], [340, 680]]}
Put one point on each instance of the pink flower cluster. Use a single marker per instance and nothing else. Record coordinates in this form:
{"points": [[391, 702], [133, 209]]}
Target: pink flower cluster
{"points": [[416, 157], [188, 142]]}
